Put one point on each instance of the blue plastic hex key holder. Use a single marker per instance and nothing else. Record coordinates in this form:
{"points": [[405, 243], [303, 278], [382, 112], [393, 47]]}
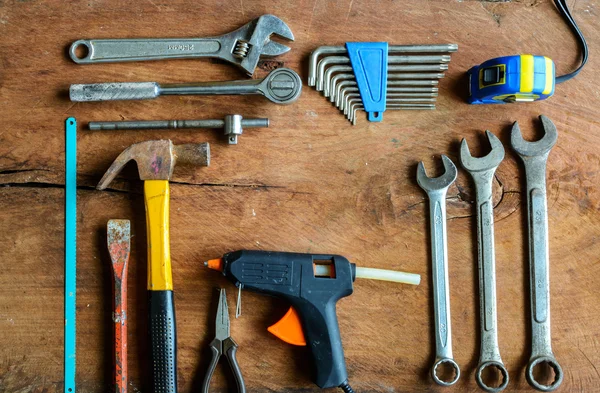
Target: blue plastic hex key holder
{"points": [[369, 62], [70, 250]]}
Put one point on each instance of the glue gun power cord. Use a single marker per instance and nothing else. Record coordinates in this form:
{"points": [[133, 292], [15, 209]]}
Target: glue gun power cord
{"points": [[563, 8], [345, 386]]}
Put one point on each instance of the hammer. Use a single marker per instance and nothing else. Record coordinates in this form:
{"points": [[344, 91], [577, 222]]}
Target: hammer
{"points": [[156, 161]]}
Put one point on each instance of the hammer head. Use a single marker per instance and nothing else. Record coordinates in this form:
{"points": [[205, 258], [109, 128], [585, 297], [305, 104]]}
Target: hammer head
{"points": [[156, 159]]}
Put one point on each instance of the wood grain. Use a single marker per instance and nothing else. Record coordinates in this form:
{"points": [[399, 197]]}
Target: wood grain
{"points": [[309, 183]]}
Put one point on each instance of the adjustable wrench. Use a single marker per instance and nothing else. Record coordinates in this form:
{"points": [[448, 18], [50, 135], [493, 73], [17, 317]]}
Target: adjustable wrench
{"points": [[281, 86], [482, 171], [242, 47], [436, 189], [534, 156]]}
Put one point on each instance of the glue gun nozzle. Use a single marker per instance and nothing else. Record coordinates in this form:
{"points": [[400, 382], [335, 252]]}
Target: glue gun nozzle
{"points": [[215, 264]]}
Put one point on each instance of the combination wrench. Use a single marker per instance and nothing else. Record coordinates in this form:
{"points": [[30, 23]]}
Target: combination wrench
{"points": [[281, 86], [482, 171], [242, 47], [436, 189], [534, 156]]}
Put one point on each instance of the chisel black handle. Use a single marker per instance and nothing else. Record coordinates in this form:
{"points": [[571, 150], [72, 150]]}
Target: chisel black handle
{"points": [[163, 341]]}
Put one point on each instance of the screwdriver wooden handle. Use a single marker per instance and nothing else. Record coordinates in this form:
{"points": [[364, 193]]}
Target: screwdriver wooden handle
{"points": [[118, 236], [163, 337]]}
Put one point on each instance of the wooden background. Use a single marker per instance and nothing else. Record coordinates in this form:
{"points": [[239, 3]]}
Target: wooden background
{"points": [[309, 183]]}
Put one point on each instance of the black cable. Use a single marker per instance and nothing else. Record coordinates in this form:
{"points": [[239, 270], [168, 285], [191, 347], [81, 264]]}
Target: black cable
{"points": [[563, 8], [346, 387]]}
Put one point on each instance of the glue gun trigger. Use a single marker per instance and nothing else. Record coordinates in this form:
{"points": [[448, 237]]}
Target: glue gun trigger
{"points": [[289, 328]]}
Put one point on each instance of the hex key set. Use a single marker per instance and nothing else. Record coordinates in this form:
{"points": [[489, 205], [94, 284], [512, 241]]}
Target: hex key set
{"points": [[375, 76]]}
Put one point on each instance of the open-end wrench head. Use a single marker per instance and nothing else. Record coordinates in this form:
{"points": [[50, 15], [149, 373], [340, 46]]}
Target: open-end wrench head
{"points": [[439, 183], [558, 373], [480, 164], [536, 148]]}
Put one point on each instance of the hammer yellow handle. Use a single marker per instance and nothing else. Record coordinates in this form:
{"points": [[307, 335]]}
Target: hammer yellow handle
{"points": [[163, 334], [156, 197]]}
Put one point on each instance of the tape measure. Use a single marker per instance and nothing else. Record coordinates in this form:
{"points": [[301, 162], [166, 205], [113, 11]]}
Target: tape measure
{"points": [[521, 78]]}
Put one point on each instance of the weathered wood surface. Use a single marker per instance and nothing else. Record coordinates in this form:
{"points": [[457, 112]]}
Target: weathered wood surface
{"points": [[309, 183]]}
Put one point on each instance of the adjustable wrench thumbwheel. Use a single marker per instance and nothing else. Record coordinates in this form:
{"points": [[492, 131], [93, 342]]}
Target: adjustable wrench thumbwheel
{"points": [[482, 170], [534, 156], [436, 189]]}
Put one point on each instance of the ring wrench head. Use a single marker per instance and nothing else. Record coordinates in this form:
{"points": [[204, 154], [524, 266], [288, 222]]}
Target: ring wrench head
{"points": [[454, 367], [503, 372], [537, 148], [439, 183], [558, 374], [282, 86], [480, 164]]}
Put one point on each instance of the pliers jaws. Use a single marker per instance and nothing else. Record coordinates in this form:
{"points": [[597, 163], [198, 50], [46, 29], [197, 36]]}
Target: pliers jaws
{"points": [[223, 345]]}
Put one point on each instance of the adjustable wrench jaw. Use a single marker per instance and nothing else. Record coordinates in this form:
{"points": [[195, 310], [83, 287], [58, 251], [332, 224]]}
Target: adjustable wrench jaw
{"points": [[246, 45]]}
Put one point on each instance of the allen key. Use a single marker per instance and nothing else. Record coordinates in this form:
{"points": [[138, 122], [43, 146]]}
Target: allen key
{"points": [[392, 106], [397, 80], [409, 71], [416, 60], [409, 97], [431, 91]]}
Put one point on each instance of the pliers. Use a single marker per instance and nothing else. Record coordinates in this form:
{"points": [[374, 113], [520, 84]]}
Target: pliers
{"points": [[223, 345]]}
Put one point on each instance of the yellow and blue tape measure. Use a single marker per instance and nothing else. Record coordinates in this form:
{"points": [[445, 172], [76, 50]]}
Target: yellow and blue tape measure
{"points": [[522, 78], [512, 79]]}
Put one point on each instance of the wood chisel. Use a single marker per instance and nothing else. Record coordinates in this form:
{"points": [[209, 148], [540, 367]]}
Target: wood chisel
{"points": [[70, 251], [119, 246]]}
